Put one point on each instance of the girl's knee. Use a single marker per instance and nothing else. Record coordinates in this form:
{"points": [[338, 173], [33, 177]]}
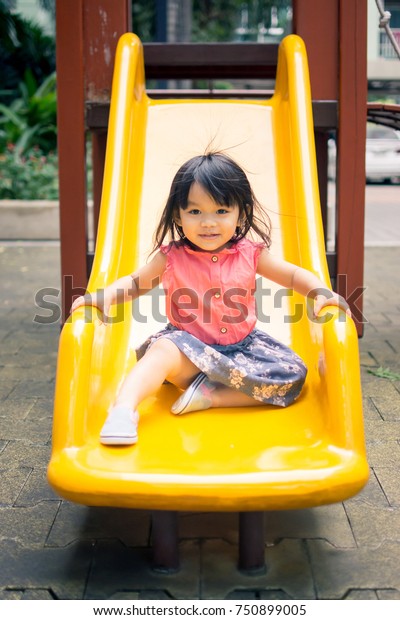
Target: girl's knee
{"points": [[181, 371], [164, 345], [164, 351]]}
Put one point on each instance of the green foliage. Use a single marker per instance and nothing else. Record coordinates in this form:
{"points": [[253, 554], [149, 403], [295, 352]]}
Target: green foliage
{"points": [[29, 177], [212, 20], [31, 119], [215, 21], [144, 19], [218, 20], [23, 46], [49, 6], [385, 373], [28, 110]]}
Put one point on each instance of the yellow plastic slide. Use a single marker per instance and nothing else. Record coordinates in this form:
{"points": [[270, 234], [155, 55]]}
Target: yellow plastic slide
{"points": [[253, 459]]}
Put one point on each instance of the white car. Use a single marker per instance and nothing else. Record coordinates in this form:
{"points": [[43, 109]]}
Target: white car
{"points": [[382, 155]]}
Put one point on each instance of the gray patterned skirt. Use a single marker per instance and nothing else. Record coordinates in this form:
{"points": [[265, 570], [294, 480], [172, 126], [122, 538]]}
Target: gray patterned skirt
{"points": [[258, 365]]}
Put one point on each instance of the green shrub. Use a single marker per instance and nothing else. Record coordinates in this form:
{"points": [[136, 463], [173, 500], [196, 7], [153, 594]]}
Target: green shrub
{"points": [[33, 176], [31, 119], [23, 45]]}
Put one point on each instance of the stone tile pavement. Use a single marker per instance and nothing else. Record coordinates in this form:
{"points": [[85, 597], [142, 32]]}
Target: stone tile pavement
{"points": [[52, 549]]}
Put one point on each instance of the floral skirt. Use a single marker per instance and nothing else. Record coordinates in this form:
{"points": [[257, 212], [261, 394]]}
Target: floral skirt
{"points": [[258, 365]]}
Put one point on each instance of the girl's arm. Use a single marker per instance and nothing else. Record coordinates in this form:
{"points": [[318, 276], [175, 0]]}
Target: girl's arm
{"points": [[301, 280], [126, 288]]}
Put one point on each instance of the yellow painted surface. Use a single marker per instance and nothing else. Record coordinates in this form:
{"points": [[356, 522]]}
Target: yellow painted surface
{"points": [[241, 459]]}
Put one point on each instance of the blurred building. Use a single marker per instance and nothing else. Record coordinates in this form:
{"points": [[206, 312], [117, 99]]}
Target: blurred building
{"points": [[383, 62]]}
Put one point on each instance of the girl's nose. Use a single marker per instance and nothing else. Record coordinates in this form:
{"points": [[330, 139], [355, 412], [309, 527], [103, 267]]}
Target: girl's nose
{"points": [[208, 221]]}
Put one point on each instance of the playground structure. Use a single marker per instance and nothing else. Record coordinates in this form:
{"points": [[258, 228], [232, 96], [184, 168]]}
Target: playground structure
{"points": [[244, 461], [334, 32]]}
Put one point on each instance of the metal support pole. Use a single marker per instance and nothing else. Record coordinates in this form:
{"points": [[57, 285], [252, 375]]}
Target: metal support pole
{"points": [[71, 150], [164, 536], [251, 542]]}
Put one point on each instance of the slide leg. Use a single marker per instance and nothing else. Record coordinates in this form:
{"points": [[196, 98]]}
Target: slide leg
{"points": [[164, 534], [251, 543]]}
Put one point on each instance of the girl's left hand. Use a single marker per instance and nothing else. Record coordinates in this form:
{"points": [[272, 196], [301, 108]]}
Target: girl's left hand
{"points": [[321, 301]]}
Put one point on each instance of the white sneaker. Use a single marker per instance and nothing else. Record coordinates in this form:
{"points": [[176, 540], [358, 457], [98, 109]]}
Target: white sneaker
{"points": [[120, 427], [196, 398]]}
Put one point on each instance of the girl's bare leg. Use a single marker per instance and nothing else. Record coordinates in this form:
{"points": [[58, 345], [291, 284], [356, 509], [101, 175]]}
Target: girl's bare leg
{"points": [[165, 361], [162, 361], [224, 396]]}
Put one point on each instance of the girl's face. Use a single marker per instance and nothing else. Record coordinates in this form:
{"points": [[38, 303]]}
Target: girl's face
{"points": [[206, 224]]}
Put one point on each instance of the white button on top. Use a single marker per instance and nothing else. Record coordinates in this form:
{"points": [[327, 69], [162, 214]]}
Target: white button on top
{"points": [[223, 330], [214, 258], [217, 295]]}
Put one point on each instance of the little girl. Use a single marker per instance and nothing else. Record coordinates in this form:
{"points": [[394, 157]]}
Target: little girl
{"points": [[210, 349]]}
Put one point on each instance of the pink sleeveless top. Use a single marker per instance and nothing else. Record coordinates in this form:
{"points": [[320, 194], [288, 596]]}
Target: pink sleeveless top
{"points": [[211, 295]]}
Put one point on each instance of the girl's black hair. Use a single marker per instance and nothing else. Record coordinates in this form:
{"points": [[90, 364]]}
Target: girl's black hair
{"points": [[227, 184]]}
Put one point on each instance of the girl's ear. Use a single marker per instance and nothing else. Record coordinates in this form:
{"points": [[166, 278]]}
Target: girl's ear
{"points": [[241, 219], [175, 216]]}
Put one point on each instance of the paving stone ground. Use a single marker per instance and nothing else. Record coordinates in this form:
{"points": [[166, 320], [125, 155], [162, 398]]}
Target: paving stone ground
{"points": [[52, 549]]}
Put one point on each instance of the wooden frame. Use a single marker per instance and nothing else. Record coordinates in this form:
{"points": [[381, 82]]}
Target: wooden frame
{"points": [[335, 36]]}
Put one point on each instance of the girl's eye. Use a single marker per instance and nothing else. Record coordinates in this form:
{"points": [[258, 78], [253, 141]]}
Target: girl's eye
{"points": [[222, 211], [194, 211]]}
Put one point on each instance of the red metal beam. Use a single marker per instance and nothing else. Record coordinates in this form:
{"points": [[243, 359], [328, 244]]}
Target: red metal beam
{"points": [[87, 35], [71, 148], [353, 91], [210, 60], [335, 34], [317, 23], [104, 22]]}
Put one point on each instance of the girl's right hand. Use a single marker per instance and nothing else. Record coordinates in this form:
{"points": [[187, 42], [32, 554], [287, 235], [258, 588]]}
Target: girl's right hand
{"points": [[91, 299], [83, 300]]}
